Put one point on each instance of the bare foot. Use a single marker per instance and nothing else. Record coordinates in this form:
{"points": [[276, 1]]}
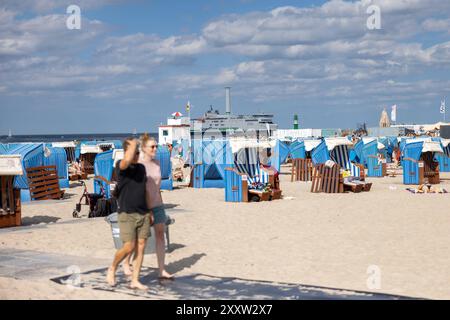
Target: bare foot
{"points": [[111, 278], [127, 270], [164, 275], [137, 285]]}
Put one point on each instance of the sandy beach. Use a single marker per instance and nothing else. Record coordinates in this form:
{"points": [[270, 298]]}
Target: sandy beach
{"points": [[327, 240]]}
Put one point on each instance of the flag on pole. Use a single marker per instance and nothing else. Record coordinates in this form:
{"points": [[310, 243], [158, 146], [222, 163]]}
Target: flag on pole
{"points": [[442, 108], [394, 113], [188, 106]]}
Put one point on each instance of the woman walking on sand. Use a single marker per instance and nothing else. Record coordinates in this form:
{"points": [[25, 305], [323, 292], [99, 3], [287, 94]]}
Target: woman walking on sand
{"points": [[149, 147], [154, 199]]}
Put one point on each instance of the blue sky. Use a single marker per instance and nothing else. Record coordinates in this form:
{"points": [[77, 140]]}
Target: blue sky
{"points": [[135, 62]]}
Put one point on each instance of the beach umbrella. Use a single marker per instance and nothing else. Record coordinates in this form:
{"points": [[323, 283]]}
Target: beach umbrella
{"points": [[177, 114]]}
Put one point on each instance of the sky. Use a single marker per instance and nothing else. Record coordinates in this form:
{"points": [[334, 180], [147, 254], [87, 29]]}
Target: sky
{"points": [[133, 63]]}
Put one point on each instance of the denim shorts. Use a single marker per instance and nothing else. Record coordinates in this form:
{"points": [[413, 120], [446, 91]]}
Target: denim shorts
{"points": [[159, 215]]}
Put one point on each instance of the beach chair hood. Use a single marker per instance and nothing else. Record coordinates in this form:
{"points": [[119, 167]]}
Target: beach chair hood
{"points": [[64, 144], [86, 148], [10, 165], [446, 146], [320, 153], [332, 143], [311, 144], [58, 157], [297, 150], [413, 148], [31, 155], [279, 154], [369, 140]]}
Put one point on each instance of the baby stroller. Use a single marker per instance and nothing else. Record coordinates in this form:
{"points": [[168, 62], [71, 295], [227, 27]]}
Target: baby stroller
{"points": [[99, 204]]}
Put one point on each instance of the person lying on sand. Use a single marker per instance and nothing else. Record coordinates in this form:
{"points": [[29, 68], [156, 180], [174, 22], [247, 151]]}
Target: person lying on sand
{"points": [[423, 188], [134, 214]]}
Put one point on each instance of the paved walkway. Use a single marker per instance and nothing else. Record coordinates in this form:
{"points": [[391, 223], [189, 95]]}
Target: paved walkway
{"points": [[27, 264], [72, 270]]}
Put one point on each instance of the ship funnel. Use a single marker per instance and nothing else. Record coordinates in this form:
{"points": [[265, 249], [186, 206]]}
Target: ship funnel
{"points": [[227, 101]]}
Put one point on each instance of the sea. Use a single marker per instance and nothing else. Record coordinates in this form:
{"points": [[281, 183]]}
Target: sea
{"points": [[47, 138]]}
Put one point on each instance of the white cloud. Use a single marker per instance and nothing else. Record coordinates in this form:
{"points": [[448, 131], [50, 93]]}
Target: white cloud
{"points": [[436, 25], [46, 33], [46, 6], [285, 53]]}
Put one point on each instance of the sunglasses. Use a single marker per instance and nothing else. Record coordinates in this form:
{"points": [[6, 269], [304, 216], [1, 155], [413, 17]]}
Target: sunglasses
{"points": [[152, 147]]}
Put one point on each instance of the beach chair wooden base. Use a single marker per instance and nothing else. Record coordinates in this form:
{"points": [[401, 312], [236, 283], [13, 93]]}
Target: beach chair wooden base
{"points": [[353, 187], [357, 187], [236, 187], [43, 183], [76, 177], [327, 179], [258, 195], [330, 180], [276, 195], [430, 168], [367, 186], [10, 206], [434, 179], [301, 170]]}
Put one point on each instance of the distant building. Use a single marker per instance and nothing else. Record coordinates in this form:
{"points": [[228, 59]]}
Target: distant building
{"points": [[213, 122], [384, 119], [177, 128]]}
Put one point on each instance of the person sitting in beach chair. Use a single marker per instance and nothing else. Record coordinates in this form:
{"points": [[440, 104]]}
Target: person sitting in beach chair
{"points": [[75, 171], [248, 180], [134, 214]]}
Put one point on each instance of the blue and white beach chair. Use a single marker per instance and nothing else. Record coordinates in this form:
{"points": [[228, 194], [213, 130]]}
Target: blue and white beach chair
{"points": [[247, 180], [444, 158], [374, 157], [210, 158], [339, 152], [31, 155], [418, 161]]}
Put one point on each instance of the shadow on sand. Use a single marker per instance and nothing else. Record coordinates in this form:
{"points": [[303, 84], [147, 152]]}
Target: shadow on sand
{"points": [[203, 286], [28, 221]]}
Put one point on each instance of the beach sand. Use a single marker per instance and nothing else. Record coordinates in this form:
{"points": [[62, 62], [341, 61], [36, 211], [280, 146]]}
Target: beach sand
{"points": [[327, 240]]}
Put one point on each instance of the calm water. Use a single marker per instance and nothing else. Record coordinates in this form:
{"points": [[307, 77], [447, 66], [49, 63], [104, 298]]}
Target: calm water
{"points": [[68, 137]]}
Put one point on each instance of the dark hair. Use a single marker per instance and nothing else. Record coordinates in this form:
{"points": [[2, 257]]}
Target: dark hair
{"points": [[126, 143]]}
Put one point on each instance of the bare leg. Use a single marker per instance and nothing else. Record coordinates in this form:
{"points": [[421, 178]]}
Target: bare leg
{"points": [[127, 248], [137, 263], [161, 251], [127, 270]]}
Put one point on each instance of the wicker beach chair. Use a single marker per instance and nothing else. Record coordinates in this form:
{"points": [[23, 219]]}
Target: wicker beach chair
{"points": [[10, 204], [248, 180], [419, 162]]}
